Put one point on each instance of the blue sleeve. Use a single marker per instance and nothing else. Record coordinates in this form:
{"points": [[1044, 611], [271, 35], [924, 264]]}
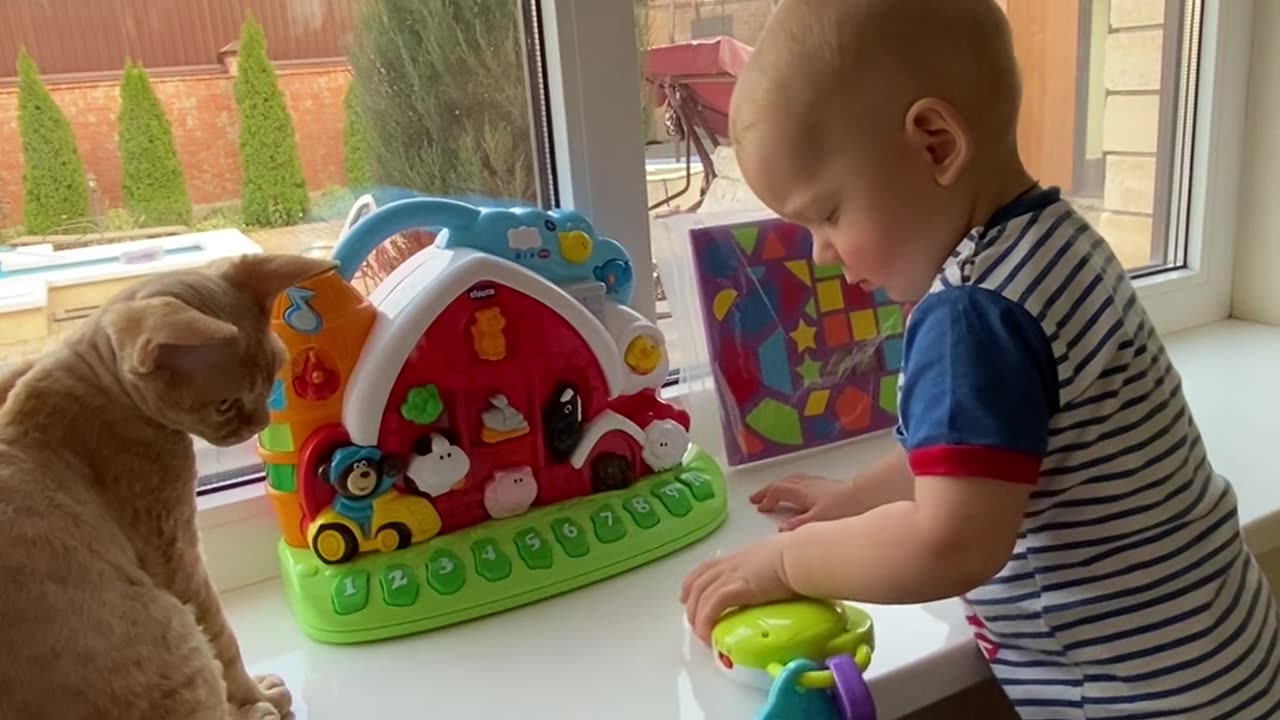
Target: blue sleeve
{"points": [[979, 385]]}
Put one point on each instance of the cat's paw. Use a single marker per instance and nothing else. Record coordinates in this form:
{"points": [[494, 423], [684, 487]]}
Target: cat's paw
{"points": [[274, 691], [258, 711]]}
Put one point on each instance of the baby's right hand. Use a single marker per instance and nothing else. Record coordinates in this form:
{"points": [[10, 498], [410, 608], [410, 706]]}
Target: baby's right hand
{"points": [[813, 498]]}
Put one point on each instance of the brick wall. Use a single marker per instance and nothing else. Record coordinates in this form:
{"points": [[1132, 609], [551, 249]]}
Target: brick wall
{"points": [[1131, 125], [202, 112]]}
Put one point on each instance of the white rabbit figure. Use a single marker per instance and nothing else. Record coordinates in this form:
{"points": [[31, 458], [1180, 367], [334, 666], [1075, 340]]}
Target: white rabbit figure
{"points": [[445, 468]]}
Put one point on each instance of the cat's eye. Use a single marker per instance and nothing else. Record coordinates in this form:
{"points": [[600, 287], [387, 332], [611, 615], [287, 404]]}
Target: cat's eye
{"points": [[226, 405]]}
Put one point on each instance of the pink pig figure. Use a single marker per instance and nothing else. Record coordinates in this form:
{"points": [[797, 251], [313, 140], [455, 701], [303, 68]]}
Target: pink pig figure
{"points": [[510, 492]]}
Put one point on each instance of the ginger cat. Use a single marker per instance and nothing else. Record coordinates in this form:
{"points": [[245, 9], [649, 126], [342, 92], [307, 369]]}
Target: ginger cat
{"points": [[106, 610]]}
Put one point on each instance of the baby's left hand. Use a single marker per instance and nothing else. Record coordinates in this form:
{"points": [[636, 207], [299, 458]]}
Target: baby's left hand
{"points": [[751, 576]]}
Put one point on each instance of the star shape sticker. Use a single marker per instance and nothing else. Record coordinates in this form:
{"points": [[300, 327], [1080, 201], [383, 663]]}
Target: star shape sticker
{"points": [[810, 371], [805, 337]]}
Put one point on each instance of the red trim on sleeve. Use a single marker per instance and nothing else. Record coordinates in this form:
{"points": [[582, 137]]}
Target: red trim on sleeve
{"points": [[975, 461]]}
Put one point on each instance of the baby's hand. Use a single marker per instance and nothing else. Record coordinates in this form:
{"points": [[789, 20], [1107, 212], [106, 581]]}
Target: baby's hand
{"points": [[813, 498], [751, 576]]}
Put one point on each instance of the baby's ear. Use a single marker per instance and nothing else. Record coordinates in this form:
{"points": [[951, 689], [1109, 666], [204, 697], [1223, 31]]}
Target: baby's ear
{"points": [[164, 332], [264, 277]]}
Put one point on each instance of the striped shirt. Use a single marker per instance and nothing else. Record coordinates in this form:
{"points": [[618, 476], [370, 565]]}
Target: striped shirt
{"points": [[1129, 593]]}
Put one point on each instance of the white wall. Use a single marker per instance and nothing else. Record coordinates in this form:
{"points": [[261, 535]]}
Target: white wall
{"points": [[1256, 291]]}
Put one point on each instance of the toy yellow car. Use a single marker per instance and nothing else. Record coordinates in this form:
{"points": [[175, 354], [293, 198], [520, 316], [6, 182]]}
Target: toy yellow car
{"points": [[367, 514], [752, 645]]}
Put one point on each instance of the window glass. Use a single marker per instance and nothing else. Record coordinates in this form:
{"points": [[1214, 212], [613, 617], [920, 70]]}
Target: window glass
{"points": [[113, 170], [1105, 113]]}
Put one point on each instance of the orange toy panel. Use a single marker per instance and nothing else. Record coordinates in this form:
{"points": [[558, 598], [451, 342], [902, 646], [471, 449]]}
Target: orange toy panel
{"points": [[323, 323]]}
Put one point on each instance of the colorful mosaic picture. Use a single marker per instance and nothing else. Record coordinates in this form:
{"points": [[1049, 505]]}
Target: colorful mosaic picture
{"points": [[801, 358]]}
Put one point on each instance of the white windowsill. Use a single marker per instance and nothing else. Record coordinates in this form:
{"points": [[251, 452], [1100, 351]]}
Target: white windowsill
{"points": [[621, 643]]}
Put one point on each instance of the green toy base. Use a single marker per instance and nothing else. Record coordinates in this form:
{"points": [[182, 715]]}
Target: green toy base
{"points": [[502, 564]]}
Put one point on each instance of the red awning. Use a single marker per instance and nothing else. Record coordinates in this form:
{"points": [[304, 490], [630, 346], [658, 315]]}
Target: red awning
{"points": [[707, 69]]}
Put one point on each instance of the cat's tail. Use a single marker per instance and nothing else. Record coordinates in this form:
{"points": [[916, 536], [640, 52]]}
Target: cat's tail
{"points": [[10, 375]]}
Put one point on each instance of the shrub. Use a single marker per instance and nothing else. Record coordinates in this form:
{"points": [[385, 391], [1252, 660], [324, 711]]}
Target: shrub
{"points": [[446, 82], [273, 192], [154, 188], [53, 182], [355, 141]]}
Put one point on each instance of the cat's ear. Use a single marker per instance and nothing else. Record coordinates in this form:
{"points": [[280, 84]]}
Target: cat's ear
{"points": [[164, 332], [264, 277]]}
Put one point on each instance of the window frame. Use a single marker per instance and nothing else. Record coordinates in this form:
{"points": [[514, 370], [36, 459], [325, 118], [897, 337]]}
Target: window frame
{"points": [[1200, 292], [593, 86]]}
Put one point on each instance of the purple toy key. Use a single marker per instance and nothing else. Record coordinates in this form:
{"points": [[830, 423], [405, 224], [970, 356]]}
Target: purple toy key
{"points": [[851, 691]]}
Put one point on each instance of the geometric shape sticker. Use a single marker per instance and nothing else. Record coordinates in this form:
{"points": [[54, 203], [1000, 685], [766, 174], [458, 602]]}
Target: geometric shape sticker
{"points": [[804, 336], [773, 248], [772, 354], [835, 330], [722, 302], [828, 271], [892, 350], [882, 297], [810, 309], [777, 422], [749, 443], [817, 402], [855, 297], [746, 237], [853, 409], [800, 268], [864, 324], [890, 317], [810, 371], [889, 394], [830, 296]]}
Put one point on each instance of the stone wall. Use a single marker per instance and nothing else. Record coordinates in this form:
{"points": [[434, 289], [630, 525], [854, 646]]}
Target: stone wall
{"points": [[1131, 126]]}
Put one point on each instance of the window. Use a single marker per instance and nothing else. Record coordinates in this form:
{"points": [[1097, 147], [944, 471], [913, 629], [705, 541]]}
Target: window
{"points": [[1113, 113], [78, 213], [573, 90]]}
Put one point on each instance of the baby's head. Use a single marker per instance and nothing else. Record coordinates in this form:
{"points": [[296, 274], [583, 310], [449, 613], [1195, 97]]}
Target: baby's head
{"points": [[888, 127]]}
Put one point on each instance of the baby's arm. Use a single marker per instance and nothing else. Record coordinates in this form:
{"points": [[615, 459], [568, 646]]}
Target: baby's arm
{"points": [[980, 386], [952, 537], [814, 499]]}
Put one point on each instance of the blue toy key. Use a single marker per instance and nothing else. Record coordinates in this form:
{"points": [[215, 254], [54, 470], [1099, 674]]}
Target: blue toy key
{"points": [[848, 699], [789, 701]]}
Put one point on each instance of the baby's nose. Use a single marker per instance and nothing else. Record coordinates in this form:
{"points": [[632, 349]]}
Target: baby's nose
{"points": [[823, 252]]}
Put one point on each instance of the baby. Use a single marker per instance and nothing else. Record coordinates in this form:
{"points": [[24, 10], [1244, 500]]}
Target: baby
{"points": [[1050, 472]]}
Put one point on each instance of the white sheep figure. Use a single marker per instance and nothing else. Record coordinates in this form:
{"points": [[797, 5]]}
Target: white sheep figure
{"points": [[665, 444]]}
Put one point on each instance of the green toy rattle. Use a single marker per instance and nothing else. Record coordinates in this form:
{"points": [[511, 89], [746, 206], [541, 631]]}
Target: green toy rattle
{"points": [[809, 654]]}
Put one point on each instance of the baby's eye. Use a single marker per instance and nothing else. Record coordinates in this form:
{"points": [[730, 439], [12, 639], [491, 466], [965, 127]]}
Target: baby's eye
{"points": [[833, 217], [226, 405]]}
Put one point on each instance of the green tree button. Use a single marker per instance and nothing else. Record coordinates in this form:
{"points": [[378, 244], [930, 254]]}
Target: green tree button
{"points": [[533, 549], [445, 573], [399, 586], [674, 498], [699, 484], [571, 537], [641, 510], [351, 592], [608, 524], [491, 563]]}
